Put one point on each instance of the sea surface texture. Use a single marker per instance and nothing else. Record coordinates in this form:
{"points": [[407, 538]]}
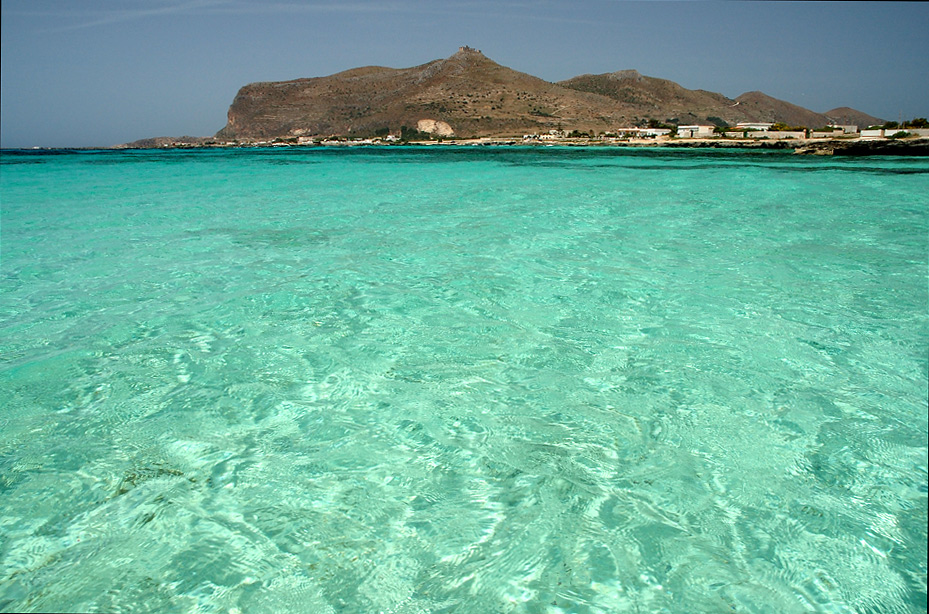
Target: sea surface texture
{"points": [[423, 380]]}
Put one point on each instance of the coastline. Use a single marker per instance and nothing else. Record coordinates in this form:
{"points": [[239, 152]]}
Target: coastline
{"points": [[918, 146]]}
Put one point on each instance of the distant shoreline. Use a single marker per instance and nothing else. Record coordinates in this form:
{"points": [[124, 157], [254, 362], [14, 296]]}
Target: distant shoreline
{"points": [[918, 146], [841, 147]]}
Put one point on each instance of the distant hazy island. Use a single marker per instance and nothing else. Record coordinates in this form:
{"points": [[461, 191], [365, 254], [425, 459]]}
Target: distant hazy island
{"points": [[468, 98]]}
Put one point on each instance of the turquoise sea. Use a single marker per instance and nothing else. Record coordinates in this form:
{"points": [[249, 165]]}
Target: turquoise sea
{"points": [[423, 380]]}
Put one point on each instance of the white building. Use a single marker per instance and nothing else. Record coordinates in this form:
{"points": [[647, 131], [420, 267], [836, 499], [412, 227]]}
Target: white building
{"points": [[754, 126], [651, 132], [780, 134], [885, 133], [694, 132], [641, 133], [554, 135]]}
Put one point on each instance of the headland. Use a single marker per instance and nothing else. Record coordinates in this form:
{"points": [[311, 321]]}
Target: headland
{"points": [[468, 99]]}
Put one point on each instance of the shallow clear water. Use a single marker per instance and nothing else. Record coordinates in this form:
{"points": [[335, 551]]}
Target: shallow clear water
{"points": [[463, 380]]}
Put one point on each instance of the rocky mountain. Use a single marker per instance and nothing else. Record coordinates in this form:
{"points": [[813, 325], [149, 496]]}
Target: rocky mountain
{"points": [[467, 91], [647, 97], [764, 108], [470, 95], [845, 115]]}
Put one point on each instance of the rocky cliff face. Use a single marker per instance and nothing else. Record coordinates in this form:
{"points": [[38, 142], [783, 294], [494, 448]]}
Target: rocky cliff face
{"points": [[469, 95]]}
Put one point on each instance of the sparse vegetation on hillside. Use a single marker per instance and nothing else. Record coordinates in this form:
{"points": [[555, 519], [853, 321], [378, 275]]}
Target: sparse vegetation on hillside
{"points": [[782, 127], [476, 96], [412, 134]]}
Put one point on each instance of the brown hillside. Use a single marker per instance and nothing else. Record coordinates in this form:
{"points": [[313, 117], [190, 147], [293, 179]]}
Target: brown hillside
{"points": [[648, 97], [763, 108], [476, 96], [845, 115], [470, 92]]}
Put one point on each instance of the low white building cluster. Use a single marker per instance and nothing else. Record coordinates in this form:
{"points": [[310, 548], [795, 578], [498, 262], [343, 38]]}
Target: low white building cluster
{"points": [[742, 130]]}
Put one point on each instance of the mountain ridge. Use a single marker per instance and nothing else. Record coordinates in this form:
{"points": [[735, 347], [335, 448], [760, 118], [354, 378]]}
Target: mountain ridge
{"points": [[471, 95]]}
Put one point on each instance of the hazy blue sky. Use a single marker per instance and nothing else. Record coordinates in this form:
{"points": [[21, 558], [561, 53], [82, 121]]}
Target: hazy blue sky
{"points": [[102, 72]]}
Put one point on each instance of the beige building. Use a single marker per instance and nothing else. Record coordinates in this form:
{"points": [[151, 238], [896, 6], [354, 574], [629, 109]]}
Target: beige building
{"points": [[694, 132]]}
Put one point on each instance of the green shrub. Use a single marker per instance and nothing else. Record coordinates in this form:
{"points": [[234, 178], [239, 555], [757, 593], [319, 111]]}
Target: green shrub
{"points": [[654, 123], [412, 134], [782, 127]]}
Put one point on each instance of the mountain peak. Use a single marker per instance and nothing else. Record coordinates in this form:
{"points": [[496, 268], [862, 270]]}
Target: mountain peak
{"points": [[627, 74], [465, 51], [470, 94]]}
